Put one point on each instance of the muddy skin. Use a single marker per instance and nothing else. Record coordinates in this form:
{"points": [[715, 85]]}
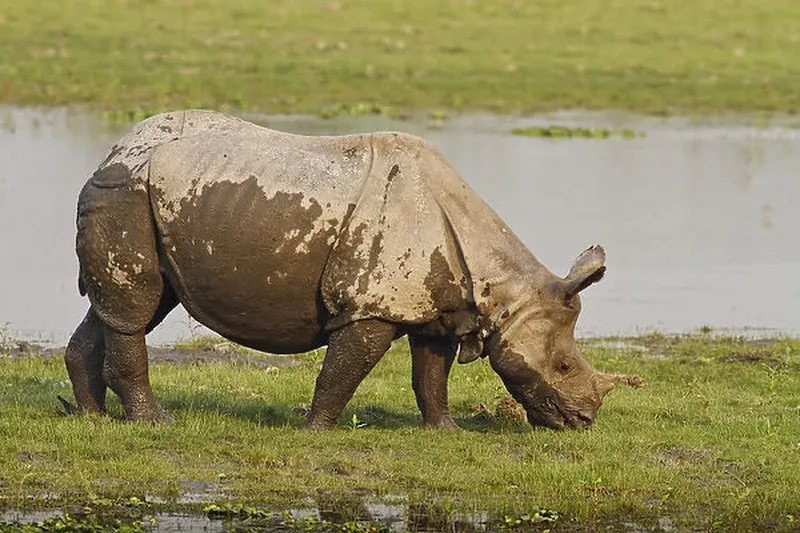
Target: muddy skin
{"points": [[542, 403], [84, 359], [432, 358], [286, 243], [353, 351]]}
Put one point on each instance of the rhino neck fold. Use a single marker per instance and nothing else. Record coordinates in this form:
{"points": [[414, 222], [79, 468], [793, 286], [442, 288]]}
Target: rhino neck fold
{"points": [[502, 271]]}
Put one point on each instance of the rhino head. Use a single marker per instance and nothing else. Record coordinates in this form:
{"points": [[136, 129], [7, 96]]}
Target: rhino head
{"points": [[533, 349]]}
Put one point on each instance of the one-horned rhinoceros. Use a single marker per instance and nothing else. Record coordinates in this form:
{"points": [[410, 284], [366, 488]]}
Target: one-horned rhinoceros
{"points": [[285, 243]]}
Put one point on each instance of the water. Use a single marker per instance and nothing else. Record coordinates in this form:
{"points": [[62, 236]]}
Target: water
{"points": [[700, 221], [321, 515]]}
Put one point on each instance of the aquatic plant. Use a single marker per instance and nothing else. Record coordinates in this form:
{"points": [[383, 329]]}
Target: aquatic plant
{"points": [[359, 109], [569, 132]]}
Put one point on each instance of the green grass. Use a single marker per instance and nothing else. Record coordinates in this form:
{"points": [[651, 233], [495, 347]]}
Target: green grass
{"points": [[654, 56], [713, 442]]}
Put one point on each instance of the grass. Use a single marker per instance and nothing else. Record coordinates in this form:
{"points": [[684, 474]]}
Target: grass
{"points": [[653, 56], [713, 443]]}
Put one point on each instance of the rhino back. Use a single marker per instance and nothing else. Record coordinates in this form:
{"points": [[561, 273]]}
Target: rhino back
{"points": [[246, 221], [134, 149]]}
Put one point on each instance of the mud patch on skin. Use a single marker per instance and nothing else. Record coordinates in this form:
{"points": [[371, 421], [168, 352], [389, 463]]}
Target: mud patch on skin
{"points": [[393, 172], [525, 385], [372, 265], [486, 292], [115, 151], [116, 249], [344, 271], [260, 286], [446, 293], [113, 176]]}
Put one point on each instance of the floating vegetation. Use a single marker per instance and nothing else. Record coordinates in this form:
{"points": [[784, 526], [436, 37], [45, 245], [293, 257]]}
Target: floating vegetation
{"points": [[540, 516], [229, 511], [310, 524], [124, 515], [360, 109], [129, 115], [568, 132], [70, 524], [244, 518]]}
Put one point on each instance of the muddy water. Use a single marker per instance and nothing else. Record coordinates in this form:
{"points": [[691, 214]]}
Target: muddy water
{"points": [[701, 221], [349, 514]]}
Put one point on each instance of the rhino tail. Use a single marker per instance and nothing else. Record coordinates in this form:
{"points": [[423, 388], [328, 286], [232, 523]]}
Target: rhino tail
{"points": [[81, 283]]}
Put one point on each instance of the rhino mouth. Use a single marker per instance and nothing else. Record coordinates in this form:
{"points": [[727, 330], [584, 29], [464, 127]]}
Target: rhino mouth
{"points": [[549, 411]]}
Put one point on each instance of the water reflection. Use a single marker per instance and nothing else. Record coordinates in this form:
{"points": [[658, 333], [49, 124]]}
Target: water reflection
{"points": [[700, 221], [330, 512]]}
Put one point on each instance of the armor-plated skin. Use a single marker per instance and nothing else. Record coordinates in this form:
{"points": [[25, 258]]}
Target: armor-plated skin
{"points": [[285, 243]]}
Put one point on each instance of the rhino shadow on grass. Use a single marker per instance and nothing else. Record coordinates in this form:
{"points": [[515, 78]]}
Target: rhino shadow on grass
{"points": [[285, 243], [261, 411]]}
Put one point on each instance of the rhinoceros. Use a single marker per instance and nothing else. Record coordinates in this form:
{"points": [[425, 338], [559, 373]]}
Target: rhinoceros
{"points": [[285, 243]]}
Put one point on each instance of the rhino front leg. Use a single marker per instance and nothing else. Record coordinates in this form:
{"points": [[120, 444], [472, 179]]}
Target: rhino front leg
{"points": [[125, 369], [432, 358], [352, 352], [84, 360]]}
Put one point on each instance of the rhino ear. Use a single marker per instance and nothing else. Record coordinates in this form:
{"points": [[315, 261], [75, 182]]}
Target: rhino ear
{"points": [[470, 348], [588, 268]]}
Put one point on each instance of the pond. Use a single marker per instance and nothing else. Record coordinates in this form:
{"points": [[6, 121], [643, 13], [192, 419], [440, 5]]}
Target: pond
{"points": [[700, 219]]}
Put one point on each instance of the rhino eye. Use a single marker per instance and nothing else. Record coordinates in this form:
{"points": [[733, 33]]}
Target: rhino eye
{"points": [[564, 367]]}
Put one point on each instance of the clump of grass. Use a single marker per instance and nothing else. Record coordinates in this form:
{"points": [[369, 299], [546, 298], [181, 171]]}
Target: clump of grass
{"points": [[509, 411]]}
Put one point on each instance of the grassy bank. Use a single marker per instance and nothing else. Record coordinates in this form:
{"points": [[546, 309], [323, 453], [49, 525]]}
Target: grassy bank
{"points": [[712, 443], [705, 56]]}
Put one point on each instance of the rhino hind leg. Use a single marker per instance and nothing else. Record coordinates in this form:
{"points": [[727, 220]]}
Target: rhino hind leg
{"points": [[125, 369], [85, 355], [84, 360], [353, 350], [121, 273], [125, 365], [431, 361]]}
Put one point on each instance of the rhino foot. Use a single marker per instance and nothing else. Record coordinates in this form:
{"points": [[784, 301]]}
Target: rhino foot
{"points": [[156, 418], [444, 422]]}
